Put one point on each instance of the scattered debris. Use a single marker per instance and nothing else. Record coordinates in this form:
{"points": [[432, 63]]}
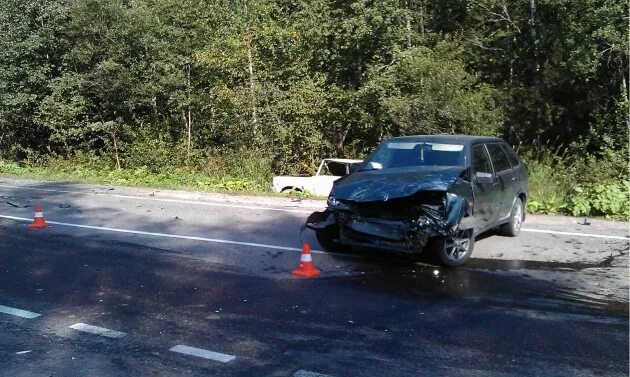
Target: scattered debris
{"points": [[14, 205], [436, 273], [64, 205], [586, 222], [177, 218]]}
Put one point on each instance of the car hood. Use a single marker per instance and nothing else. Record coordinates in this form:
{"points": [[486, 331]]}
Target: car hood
{"points": [[377, 185]]}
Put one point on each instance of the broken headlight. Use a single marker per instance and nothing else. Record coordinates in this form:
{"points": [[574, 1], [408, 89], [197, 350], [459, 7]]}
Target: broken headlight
{"points": [[332, 202]]}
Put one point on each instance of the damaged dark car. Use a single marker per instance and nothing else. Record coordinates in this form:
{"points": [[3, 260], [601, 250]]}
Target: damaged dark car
{"points": [[419, 194]]}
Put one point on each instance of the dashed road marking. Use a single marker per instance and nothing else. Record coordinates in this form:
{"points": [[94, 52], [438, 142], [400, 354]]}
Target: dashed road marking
{"points": [[200, 352], [98, 330], [18, 312], [182, 201], [308, 373]]}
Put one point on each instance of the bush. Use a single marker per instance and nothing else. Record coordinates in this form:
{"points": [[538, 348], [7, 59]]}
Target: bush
{"points": [[581, 185], [549, 184], [604, 199]]}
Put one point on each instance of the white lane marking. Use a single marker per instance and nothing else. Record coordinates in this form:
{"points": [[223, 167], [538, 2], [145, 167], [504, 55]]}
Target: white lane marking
{"points": [[182, 201], [575, 234], [203, 239], [308, 373], [267, 246], [23, 352], [18, 312], [98, 330], [215, 204], [200, 352]]}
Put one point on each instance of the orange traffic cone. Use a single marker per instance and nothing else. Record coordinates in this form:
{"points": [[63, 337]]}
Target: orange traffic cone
{"points": [[306, 269], [38, 221]]}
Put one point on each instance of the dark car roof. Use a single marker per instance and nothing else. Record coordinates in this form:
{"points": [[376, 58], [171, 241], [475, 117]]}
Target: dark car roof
{"points": [[460, 139]]}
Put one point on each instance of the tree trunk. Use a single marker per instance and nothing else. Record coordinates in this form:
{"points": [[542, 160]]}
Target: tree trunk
{"points": [[408, 24], [537, 72], [626, 94], [116, 150], [342, 139], [422, 19], [252, 89], [189, 120]]}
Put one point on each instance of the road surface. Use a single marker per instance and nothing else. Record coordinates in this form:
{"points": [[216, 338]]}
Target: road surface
{"points": [[152, 282]]}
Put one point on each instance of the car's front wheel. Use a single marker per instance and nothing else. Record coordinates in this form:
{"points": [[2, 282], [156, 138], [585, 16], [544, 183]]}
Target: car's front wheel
{"points": [[454, 250], [326, 238]]}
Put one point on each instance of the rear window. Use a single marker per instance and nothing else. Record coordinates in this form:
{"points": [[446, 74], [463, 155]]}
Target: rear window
{"points": [[335, 168], [511, 155], [499, 159]]}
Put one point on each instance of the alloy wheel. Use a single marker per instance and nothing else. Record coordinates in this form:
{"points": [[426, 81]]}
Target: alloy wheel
{"points": [[518, 217], [457, 246]]}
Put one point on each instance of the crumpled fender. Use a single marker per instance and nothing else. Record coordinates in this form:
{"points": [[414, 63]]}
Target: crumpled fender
{"points": [[320, 220]]}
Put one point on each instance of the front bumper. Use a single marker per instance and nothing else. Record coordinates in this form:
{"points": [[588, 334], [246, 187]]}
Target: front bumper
{"points": [[397, 235]]}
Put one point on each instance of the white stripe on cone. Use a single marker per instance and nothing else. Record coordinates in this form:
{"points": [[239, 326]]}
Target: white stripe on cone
{"points": [[39, 214], [306, 258]]}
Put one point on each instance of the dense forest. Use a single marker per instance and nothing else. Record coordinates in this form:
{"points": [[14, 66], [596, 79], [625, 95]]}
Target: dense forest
{"points": [[279, 84]]}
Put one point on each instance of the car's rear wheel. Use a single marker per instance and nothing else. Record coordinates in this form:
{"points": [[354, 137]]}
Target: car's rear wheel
{"points": [[454, 250], [513, 227]]}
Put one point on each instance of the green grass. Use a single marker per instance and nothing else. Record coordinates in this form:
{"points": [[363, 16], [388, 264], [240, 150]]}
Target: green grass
{"points": [[169, 178], [557, 186]]}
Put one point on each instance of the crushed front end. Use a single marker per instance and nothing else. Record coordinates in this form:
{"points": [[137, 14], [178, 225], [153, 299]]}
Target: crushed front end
{"points": [[404, 224]]}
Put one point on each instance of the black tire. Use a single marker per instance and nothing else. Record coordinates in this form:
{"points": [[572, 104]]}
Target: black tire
{"points": [[513, 227], [326, 238], [453, 251]]}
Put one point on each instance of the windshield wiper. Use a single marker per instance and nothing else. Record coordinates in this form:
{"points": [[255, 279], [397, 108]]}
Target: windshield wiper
{"points": [[369, 169]]}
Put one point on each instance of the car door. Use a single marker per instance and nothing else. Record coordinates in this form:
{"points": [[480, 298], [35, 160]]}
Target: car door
{"points": [[508, 180], [486, 189]]}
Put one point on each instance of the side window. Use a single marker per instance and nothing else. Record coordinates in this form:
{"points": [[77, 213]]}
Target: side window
{"points": [[499, 159], [481, 162], [511, 155]]}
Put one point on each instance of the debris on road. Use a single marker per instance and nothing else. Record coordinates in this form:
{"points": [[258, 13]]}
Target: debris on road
{"points": [[64, 205], [14, 205]]}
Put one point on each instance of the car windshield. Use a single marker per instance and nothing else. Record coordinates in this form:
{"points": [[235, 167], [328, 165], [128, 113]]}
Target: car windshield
{"points": [[398, 154], [335, 168]]}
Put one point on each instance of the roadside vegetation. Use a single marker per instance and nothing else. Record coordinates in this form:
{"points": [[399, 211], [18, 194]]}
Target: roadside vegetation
{"points": [[221, 96]]}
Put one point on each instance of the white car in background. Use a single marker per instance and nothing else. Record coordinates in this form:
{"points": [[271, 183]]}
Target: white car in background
{"points": [[320, 184]]}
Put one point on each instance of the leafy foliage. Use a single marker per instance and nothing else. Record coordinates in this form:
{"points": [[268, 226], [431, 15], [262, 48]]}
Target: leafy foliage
{"points": [[604, 199], [173, 84]]}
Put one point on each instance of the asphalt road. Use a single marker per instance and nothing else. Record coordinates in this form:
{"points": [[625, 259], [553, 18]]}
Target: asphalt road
{"points": [[125, 275]]}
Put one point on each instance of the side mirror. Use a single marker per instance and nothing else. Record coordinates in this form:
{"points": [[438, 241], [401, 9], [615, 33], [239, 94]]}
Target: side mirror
{"points": [[483, 177]]}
